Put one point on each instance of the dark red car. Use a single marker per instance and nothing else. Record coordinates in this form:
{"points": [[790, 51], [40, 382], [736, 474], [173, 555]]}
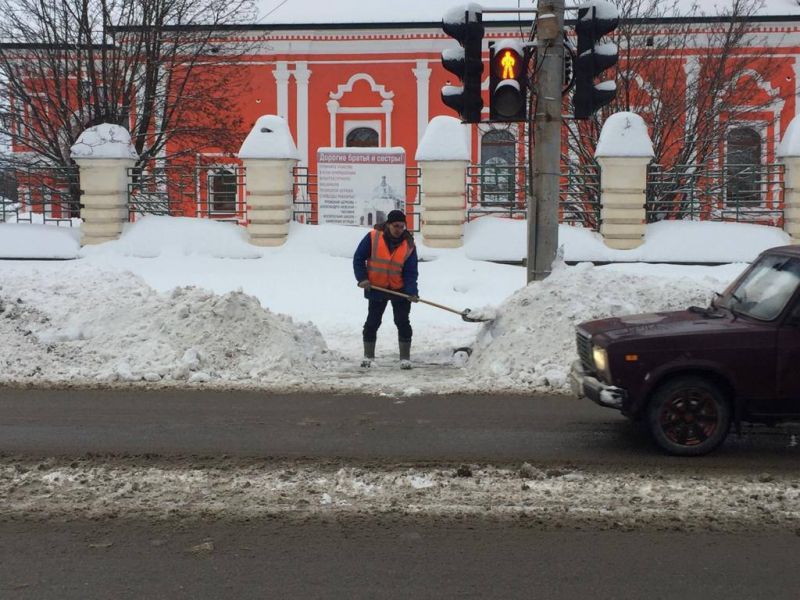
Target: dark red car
{"points": [[691, 374]]}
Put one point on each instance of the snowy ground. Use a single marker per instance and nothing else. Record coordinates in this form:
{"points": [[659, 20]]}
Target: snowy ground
{"points": [[186, 302]]}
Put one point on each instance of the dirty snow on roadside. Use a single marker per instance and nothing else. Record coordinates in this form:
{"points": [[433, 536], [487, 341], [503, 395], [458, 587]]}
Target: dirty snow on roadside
{"points": [[549, 496], [189, 302]]}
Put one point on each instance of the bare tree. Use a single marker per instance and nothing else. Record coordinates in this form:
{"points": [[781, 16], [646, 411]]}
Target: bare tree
{"points": [[163, 69], [688, 82]]}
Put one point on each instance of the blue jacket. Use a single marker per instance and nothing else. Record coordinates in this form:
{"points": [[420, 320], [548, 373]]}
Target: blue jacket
{"points": [[410, 273]]}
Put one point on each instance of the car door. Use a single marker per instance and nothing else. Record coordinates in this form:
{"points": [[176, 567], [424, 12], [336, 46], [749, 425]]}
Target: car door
{"points": [[788, 363]]}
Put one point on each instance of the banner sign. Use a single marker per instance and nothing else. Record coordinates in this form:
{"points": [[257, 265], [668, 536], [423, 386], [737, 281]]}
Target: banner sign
{"points": [[359, 186]]}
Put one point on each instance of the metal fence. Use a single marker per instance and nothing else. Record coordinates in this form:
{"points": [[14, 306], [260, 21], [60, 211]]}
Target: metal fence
{"points": [[741, 193], [45, 194], [503, 190], [214, 192]]}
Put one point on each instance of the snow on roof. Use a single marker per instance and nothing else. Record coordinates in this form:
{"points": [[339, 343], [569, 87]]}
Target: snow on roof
{"points": [[269, 138], [104, 141], [290, 12]]}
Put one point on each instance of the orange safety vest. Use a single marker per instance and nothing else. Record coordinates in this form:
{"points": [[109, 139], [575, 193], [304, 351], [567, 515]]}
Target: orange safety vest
{"points": [[384, 268]]}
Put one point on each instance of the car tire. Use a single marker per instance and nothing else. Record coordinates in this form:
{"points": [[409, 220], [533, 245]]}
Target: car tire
{"points": [[689, 416]]}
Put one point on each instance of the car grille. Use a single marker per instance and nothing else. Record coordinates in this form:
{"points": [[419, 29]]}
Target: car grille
{"points": [[584, 343]]}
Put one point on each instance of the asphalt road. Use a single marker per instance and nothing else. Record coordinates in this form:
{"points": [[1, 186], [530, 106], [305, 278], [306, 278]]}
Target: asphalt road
{"points": [[385, 559], [369, 556], [486, 428]]}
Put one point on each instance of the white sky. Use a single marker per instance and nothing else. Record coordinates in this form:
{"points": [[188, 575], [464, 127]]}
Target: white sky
{"points": [[179, 300], [358, 11]]}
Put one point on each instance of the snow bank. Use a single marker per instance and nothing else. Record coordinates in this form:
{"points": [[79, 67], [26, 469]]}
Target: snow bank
{"points": [[531, 342], [110, 326], [19, 240], [153, 236]]}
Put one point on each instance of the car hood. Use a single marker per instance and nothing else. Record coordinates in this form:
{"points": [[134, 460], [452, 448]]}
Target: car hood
{"points": [[664, 324]]}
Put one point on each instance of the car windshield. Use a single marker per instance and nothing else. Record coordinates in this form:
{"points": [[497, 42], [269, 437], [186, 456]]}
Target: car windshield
{"points": [[765, 290]]}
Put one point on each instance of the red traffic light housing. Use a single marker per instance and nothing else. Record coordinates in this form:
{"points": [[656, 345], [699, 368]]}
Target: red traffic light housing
{"points": [[508, 81]]}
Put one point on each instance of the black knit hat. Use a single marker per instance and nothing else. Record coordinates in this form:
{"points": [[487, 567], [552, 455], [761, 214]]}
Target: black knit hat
{"points": [[395, 216]]}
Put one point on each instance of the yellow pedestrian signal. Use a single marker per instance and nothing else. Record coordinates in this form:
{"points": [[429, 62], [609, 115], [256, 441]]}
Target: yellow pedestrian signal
{"points": [[508, 82], [509, 64]]}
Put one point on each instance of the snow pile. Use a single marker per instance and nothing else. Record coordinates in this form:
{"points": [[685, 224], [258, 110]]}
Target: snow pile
{"points": [[129, 332], [531, 343]]}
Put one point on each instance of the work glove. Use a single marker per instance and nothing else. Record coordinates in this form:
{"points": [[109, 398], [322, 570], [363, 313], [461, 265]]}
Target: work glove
{"points": [[413, 298], [364, 284]]}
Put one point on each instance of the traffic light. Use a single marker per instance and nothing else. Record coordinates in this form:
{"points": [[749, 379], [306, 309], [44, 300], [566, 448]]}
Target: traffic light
{"points": [[508, 81], [596, 18], [465, 25]]}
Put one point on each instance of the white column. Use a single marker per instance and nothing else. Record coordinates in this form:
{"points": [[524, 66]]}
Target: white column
{"points": [[281, 74], [104, 183], [388, 106], [302, 75], [423, 75], [333, 108]]}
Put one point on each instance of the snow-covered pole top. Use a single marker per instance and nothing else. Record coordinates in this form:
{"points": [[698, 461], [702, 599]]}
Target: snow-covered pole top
{"points": [[445, 138], [459, 14], [104, 141], [269, 138], [624, 134], [790, 143]]}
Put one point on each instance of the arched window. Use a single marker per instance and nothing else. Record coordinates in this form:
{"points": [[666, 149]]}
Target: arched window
{"points": [[362, 137], [498, 159], [743, 162], [222, 190]]}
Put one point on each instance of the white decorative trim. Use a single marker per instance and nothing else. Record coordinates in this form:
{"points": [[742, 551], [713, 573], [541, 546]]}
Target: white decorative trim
{"points": [[348, 87], [386, 108]]}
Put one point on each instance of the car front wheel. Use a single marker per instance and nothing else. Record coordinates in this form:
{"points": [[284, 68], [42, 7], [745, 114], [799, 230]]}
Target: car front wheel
{"points": [[689, 416]]}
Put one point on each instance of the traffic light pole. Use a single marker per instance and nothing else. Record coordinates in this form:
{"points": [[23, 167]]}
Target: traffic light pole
{"points": [[546, 155]]}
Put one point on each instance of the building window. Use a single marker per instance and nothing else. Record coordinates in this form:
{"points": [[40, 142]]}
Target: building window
{"points": [[222, 191], [743, 162], [498, 167], [362, 137]]}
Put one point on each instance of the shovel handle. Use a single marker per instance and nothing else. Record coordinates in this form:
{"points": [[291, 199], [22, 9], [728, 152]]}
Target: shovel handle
{"points": [[408, 297]]}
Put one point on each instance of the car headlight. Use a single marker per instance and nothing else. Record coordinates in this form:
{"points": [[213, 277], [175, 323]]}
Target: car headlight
{"points": [[600, 357]]}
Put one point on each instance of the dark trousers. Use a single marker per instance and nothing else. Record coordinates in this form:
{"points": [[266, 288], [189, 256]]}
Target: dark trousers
{"points": [[401, 309]]}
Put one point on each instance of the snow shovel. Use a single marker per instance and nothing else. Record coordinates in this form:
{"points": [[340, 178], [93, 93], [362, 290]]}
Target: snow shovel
{"points": [[464, 313]]}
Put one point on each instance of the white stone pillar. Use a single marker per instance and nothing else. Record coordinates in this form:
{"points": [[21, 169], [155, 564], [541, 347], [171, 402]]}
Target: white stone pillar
{"points": [[423, 75], [624, 150], [269, 156], [302, 74], [443, 157], [104, 154], [789, 154], [281, 74]]}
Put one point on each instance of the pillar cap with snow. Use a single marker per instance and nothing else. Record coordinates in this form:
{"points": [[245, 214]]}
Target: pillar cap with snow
{"points": [[624, 135], [445, 138], [104, 141], [790, 142], [269, 138]]}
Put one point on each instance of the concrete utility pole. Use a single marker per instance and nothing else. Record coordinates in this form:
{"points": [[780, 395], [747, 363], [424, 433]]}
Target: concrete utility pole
{"points": [[548, 83]]}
